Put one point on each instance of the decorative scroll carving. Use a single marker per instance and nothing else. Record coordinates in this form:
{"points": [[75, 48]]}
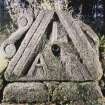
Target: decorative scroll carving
{"points": [[8, 46]]}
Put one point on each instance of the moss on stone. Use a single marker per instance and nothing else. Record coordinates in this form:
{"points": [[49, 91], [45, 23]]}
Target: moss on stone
{"points": [[73, 92]]}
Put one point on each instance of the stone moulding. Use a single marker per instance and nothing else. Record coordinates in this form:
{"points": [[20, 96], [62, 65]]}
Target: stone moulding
{"points": [[8, 46], [78, 58], [50, 92]]}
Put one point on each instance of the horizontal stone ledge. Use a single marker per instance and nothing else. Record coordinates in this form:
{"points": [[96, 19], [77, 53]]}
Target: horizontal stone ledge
{"points": [[57, 92], [77, 91], [79, 102], [25, 104]]}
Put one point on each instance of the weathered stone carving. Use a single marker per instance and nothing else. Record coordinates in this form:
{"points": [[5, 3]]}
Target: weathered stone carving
{"points": [[64, 93], [8, 48], [78, 58], [56, 62], [24, 22], [37, 93]]}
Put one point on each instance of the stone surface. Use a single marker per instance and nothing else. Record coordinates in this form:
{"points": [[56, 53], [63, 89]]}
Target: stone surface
{"points": [[94, 102], [12, 104], [67, 92], [90, 102], [8, 48], [54, 51], [3, 62], [25, 93], [65, 53], [26, 104], [87, 53]]}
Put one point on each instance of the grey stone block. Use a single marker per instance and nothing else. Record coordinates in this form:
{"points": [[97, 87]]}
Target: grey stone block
{"points": [[24, 104], [88, 93], [91, 102], [25, 93], [67, 92]]}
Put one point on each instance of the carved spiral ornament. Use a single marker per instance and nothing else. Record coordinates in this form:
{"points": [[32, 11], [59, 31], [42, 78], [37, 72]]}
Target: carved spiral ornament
{"points": [[24, 22]]}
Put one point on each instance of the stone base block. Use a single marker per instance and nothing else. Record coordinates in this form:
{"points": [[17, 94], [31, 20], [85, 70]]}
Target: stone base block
{"points": [[65, 93], [26, 104], [25, 93], [79, 102]]}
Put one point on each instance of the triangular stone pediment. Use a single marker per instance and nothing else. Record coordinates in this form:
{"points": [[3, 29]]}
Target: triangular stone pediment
{"points": [[55, 48]]}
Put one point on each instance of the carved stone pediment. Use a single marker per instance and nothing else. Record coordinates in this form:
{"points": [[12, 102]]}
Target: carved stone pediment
{"points": [[51, 58], [56, 47]]}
